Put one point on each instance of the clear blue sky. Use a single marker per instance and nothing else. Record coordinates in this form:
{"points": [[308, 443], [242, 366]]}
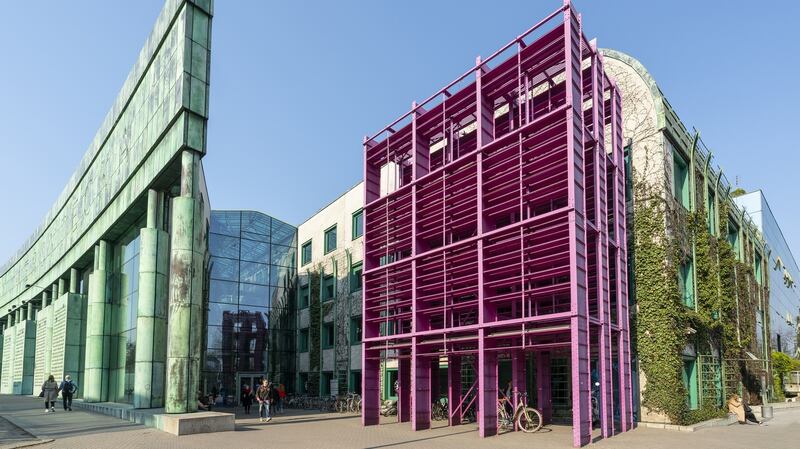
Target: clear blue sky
{"points": [[295, 86]]}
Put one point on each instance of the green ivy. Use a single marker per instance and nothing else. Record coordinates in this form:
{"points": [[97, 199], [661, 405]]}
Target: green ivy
{"points": [[662, 322], [315, 328]]}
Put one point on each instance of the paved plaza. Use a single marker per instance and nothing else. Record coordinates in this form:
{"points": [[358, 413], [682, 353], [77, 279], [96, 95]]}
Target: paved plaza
{"points": [[23, 423]]}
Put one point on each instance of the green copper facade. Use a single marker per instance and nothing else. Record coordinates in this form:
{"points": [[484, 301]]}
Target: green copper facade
{"points": [[109, 288]]}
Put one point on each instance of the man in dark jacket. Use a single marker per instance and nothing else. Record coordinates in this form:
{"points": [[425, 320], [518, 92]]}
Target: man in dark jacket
{"points": [[68, 389]]}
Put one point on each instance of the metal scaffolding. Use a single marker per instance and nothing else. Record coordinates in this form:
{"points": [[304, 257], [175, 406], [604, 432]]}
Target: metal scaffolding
{"points": [[495, 231]]}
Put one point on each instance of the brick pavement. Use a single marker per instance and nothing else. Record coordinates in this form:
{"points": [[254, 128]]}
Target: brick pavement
{"points": [[80, 429]]}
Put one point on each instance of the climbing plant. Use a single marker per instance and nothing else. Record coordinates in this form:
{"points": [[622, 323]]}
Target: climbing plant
{"points": [[725, 300], [315, 328]]}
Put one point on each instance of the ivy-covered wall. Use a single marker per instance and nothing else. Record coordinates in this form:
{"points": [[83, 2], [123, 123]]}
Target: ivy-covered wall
{"points": [[719, 323]]}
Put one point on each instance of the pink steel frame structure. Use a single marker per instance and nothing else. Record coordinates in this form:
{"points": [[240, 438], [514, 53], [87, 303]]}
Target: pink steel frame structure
{"points": [[504, 236]]}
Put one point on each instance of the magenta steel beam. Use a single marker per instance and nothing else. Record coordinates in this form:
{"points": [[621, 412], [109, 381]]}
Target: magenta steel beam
{"points": [[543, 394]]}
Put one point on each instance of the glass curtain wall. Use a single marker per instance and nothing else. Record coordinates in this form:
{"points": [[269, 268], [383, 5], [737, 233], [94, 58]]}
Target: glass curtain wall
{"points": [[122, 323], [250, 303]]}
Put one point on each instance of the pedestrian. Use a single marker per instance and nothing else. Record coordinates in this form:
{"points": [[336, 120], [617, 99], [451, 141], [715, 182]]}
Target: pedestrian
{"points": [[247, 399], [281, 397], [263, 395], [68, 389], [50, 394], [274, 397]]}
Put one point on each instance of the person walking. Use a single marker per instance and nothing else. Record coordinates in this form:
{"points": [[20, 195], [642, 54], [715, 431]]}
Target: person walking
{"points": [[263, 395], [68, 389], [247, 399], [281, 397], [274, 397], [50, 394]]}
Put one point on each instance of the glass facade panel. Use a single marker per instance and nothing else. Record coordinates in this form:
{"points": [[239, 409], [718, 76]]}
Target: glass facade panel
{"points": [[254, 295], [225, 269], [251, 302], [253, 251], [223, 292], [223, 246], [124, 314], [254, 273]]}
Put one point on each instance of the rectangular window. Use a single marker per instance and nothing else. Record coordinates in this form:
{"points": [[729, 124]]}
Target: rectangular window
{"points": [[355, 330], [330, 239], [757, 268], [305, 253], [304, 296], [302, 344], [680, 174], [733, 237], [355, 277], [327, 288], [358, 223], [712, 213], [686, 282], [327, 335], [689, 375], [355, 381], [303, 383], [325, 381]]}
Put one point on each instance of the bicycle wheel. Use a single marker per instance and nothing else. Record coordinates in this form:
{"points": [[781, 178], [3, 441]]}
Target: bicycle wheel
{"points": [[529, 420]]}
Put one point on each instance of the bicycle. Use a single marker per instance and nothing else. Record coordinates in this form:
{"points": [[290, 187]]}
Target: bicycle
{"points": [[527, 419], [440, 410]]}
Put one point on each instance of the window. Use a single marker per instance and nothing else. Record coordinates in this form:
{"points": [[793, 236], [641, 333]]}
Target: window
{"points": [[327, 335], [689, 377], [325, 387], [302, 344], [330, 239], [680, 174], [327, 288], [733, 237], [712, 213], [303, 383], [306, 253], [355, 277], [358, 223], [686, 283], [304, 296], [757, 269], [355, 381], [355, 330]]}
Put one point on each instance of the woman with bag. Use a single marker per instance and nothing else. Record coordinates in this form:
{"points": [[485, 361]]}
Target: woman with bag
{"points": [[50, 394]]}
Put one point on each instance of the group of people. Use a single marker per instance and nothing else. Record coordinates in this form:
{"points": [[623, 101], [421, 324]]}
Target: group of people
{"points": [[51, 389], [269, 397]]}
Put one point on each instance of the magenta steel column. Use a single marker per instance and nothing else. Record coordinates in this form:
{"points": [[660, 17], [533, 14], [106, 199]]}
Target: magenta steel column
{"points": [[420, 389], [454, 389], [544, 394], [487, 388], [404, 395], [579, 325], [370, 385], [518, 382]]}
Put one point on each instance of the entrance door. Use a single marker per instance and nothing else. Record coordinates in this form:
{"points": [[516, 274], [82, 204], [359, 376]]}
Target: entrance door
{"points": [[252, 380]]}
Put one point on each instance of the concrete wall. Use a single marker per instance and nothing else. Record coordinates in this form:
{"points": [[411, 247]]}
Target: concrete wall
{"points": [[344, 356]]}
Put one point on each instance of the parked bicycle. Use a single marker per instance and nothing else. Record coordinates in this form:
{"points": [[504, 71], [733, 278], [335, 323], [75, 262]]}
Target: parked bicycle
{"points": [[527, 419], [440, 410]]}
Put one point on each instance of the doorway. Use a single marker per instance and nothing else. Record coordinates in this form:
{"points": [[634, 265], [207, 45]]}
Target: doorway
{"points": [[250, 379]]}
